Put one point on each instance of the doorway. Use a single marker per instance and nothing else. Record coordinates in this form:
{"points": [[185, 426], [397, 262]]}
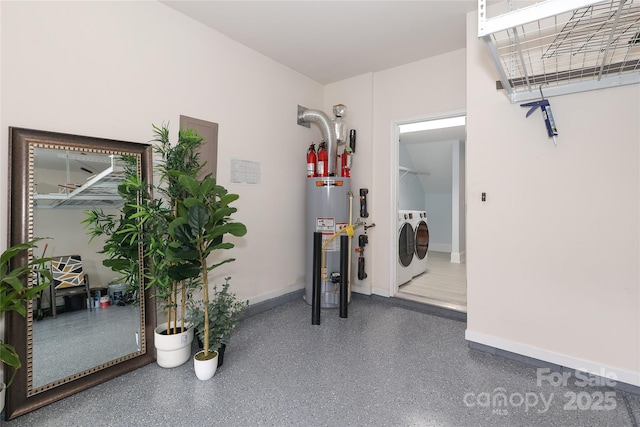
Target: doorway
{"points": [[431, 183]]}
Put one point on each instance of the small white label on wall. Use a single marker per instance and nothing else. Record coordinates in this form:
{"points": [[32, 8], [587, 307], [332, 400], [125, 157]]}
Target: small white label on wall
{"points": [[245, 172]]}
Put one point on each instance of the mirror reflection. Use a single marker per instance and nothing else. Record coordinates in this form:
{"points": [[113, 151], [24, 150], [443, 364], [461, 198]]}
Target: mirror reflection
{"points": [[86, 318]]}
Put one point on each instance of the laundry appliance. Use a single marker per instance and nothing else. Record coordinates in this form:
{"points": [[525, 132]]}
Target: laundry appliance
{"points": [[406, 246], [421, 242]]}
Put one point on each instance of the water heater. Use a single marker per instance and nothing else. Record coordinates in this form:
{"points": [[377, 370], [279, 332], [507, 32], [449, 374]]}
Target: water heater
{"points": [[327, 210]]}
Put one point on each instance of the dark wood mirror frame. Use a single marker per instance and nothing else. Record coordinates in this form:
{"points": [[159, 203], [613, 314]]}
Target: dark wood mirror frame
{"points": [[20, 399]]}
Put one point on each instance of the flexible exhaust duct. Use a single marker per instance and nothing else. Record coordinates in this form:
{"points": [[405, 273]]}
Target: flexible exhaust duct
{"points": [[328, 130]]}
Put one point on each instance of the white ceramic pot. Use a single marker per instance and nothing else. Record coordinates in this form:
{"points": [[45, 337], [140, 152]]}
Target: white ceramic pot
{"points": [[172, 350], [205, 369]]}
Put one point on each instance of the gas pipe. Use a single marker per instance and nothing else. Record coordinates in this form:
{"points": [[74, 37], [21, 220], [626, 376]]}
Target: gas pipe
{"points": [[323, 160], [311, 161]]}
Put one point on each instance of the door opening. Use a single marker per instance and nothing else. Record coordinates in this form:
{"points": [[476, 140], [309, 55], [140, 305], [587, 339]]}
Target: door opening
{"points": [[430, 189]]}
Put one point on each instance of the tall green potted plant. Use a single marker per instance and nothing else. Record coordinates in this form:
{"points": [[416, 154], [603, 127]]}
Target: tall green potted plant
{"points": [[203, 220], [14, 296], [145, 219]]}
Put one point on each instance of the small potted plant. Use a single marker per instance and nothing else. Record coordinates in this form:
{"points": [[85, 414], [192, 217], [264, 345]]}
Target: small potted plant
{"points": [[224, 311], [14, 296]]}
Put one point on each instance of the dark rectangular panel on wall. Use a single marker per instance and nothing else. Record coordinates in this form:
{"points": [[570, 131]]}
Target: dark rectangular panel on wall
{"points": [[209, 148]]}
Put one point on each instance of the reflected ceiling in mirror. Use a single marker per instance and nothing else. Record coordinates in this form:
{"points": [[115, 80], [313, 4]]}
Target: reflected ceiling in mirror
{"points": [[65, 178]]}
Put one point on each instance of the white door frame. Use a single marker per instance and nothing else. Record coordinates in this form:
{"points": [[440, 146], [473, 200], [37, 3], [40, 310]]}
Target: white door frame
{"points": [[395, 183]]}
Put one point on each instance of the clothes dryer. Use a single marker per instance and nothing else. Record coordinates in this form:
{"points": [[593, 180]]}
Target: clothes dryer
{"points": [[406, 246], [421, 242]]}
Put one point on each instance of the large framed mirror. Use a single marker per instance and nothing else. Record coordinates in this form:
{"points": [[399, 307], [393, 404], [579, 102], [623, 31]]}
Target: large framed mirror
{"points": [[70, 341]]}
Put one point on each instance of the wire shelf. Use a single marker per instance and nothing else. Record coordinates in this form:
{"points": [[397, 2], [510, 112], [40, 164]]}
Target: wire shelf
{"points": [[590, 47]]}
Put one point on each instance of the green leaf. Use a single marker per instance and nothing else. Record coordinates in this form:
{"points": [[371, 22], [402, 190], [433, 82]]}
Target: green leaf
{"points": [[189, 202], [234, 228], [207, 186], [175, 223], [221, 263], [213, 246], [228, 198], [198, 218], [9, 356], [190, 184], [184, 233], [184, 271], [181, 253]]}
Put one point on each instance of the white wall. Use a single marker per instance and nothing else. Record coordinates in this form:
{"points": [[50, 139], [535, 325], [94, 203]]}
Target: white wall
{"points": [[356, 93], [418, 89], [553, 253], [438, 207], [459, 217], [411, 194], [438, 190], [111, 69]]}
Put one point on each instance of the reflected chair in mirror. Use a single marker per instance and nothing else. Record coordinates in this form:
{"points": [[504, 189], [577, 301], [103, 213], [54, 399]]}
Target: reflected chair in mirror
{"points": [[69, 279]]}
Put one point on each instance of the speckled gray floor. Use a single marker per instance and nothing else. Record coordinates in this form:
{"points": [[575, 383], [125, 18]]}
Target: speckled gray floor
{"points": [[72, 337], [384, 365]]}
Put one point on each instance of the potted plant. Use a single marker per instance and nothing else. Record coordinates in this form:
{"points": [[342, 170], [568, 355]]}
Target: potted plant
{"points": [[224, 311], [203, 219], [14, 296], [144, 219], [122, 252]]}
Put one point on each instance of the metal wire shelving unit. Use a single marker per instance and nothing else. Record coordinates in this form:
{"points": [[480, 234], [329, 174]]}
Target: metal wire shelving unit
{"points": [[567, 46]]}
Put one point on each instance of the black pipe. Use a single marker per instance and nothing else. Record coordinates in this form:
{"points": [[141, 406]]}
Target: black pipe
{"points": [[344, 275], [363, 203], [361, 273], [317, 283], [352, 140]]}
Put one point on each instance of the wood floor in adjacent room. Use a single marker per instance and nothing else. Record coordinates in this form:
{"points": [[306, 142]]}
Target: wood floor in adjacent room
{"points": [[444, 284]]}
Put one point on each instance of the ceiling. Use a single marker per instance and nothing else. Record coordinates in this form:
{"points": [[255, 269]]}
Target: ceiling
{"points": [[329, 41], [435, 135]]}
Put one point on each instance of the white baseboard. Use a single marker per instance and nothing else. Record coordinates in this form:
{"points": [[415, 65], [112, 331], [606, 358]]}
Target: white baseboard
{"points": [[292, 288], [440, 247], [383, 292], [364, 290], [622, 375], [275, 294], [458, 257]]}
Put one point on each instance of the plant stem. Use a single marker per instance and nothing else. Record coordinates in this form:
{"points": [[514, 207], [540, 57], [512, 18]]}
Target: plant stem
{"points": [[205, 293], [169, 315], [182, 306], [175, 306]]}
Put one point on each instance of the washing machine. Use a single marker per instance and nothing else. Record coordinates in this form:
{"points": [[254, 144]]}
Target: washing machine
{"points": [[406, 246], [421, 242]]}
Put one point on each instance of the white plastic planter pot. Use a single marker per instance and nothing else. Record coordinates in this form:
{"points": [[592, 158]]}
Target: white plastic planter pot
{"points": [[205, 369], [172, 350]]}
